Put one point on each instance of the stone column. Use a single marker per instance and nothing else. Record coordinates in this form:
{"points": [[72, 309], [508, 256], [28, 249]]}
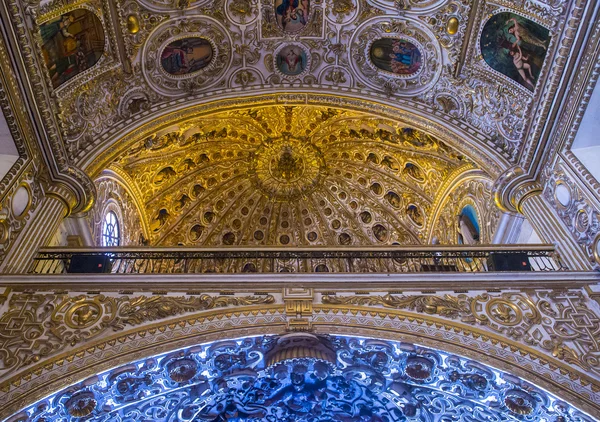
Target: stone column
{"points": [[56, 204], [515, 192]]}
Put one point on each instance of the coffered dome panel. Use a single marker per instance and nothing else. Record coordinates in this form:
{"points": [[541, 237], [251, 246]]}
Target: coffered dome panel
{"points": [[284, 175]]}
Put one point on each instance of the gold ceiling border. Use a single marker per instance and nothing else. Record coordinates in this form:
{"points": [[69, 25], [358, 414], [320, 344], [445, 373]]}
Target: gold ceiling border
{"points": [[485, 156], [273, 318]]}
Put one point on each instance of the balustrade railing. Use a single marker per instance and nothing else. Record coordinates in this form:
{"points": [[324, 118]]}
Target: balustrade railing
{"points": [[395, 259]]}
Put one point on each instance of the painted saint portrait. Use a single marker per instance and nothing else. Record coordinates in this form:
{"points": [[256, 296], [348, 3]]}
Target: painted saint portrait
{"points": [[187, 55], [291, 60], [292, 15], [71, 44], [396, 55], [515, 47]]}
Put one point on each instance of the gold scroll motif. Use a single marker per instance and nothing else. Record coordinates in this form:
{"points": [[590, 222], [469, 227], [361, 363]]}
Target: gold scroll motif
{"points": [[559, 322], [38, 325]]}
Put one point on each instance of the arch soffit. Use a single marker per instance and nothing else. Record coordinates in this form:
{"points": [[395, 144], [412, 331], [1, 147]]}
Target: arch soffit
{"points": [[120, 138], [93, 357], [460, 176], [123, 179]]}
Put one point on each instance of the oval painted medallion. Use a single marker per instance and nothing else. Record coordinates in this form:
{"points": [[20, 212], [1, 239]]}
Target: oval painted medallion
{"points": [[396, 55], [186, 56]]}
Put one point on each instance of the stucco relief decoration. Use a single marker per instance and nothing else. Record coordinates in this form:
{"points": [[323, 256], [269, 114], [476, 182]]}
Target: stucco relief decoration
{"points": [[398, 56], [38, 326], [451, 223], [575, 208], [172, 5], [563, 324], [303, 377], [17, 205], [109, 190], [185, 55], [404, 6]]}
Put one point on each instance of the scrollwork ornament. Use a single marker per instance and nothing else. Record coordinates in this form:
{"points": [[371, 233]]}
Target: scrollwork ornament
{"points": [[203, 27], [38, 325]]}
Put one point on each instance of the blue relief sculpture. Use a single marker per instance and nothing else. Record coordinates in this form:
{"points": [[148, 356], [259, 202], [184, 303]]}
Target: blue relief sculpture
{"points": [[303, 378]]}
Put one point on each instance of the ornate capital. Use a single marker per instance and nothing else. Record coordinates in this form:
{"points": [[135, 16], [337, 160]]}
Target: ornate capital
{"points": [[512, 188], [64, 194]]}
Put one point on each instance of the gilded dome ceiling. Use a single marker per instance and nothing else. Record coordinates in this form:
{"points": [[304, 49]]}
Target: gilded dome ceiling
{"points": [[283, 175]]}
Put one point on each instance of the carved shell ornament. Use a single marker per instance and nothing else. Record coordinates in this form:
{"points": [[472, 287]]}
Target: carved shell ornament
{"points": [[400, 57], [185, 55]]}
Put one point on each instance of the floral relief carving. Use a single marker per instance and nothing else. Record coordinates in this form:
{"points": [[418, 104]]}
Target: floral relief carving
{"points": [[35, 326], [561, 323]]}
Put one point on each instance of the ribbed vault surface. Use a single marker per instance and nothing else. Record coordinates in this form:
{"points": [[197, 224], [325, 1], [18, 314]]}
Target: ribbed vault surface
{"points": [[284, 175], [304, 378]]}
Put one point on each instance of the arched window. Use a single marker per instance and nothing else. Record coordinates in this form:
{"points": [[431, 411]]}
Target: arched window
{"points": [[111, 235]]}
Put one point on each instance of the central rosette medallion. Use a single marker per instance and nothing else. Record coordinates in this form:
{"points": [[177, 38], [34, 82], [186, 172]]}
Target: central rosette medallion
{"points": [[286, 168]]}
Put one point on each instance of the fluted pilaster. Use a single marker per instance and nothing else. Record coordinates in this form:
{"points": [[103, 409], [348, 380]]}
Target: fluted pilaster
{"points": [[515, 191], [57, 204]]}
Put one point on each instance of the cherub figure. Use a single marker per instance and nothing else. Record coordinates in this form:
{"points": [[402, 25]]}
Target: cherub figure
{"points": [[522, 35], [520, 62]]}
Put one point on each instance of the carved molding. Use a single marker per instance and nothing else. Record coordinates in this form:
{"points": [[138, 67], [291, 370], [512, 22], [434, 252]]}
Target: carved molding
{"points": [[545, 336]]}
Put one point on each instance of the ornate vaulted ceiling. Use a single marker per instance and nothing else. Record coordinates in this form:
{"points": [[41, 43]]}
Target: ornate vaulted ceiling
{"points": [[107, 74], [285, 175], [441, 60]]}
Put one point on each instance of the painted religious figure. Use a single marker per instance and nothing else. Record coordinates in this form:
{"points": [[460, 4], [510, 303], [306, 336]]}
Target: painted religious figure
{"points": [[468, 226], [187, 55], [71, 44], [291, 60], [515, 47], [396, 55], [292, 15]]}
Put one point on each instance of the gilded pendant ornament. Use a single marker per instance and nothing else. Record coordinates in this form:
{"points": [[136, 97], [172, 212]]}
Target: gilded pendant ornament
{"points": [[288, 168]]}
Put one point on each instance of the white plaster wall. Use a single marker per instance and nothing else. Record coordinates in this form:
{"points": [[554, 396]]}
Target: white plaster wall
{"points": [[590, 158], [8, 150], [586, 145]]}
